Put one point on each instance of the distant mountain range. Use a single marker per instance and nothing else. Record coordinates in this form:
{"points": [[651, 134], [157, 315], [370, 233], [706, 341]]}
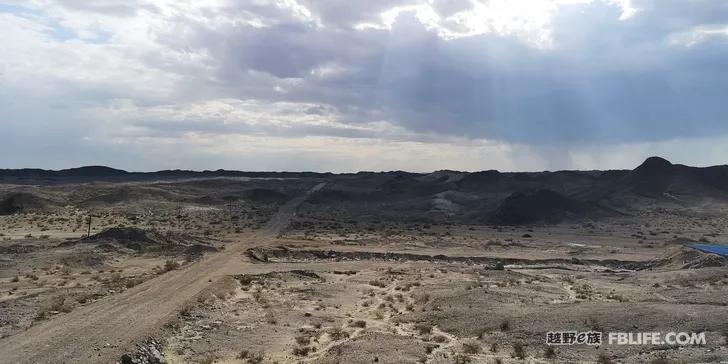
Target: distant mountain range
{"points": [[487, 196], [103, 173]]}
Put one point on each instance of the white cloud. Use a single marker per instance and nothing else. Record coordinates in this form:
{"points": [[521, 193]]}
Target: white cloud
{"points": [[378, 84], [698, 35]]}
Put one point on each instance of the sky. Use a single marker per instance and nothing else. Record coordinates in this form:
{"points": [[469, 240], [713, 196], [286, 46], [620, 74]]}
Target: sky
{"points": [[344, 86]]}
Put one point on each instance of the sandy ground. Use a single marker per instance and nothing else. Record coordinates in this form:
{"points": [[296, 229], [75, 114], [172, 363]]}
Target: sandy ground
{"points": [[381, 293], [103, 331]]}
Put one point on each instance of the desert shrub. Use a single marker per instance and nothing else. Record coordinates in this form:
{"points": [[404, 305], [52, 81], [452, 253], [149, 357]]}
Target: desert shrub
{"points": [[208, 358], [422, 299], [302, 351], [594, 324], [617, 297], [471, 347], [270, 318], [505, 325], [337, 333], [132, 282], [250, 358], [59, 303], [170, 265], [303, 340], [519, 351], [186, 310], [245, 279], [259, 297], [603, 358], [549, 352]]}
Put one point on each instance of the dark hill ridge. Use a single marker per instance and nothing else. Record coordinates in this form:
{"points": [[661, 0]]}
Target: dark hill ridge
{"points": [[652, 168], [543, 206], [657, 177], [141, 240], [477, 179], [101, 173], [20, 202], [652, 178], [500, 197]]}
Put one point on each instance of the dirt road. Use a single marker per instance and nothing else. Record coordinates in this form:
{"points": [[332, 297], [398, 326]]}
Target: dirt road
{"points": [[103, 331]]}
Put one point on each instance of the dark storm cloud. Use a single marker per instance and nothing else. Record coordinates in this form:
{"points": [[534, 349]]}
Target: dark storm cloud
{"points": [[606, 88], [604, 79]]}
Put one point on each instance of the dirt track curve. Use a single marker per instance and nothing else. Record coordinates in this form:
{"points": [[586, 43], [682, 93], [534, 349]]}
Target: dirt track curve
{"points": [[106, 329]]}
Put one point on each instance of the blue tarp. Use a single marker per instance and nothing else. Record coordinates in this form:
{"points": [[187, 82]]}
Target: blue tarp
{"points": [[712, 248]]}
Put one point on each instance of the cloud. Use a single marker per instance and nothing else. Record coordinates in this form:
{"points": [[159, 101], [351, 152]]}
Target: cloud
{"points": [[553, 78]]}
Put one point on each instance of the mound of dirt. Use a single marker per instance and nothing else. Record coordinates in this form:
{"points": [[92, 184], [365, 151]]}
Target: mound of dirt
{"points": [[283, 254], [689, 258], [141, 240], [542, 206], [23, 202]]}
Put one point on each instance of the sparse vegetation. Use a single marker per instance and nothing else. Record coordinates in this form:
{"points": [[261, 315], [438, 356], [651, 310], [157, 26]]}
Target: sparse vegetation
{"points": [[423, 328], [302, 350], [338, 334], [170, 265], [549, 352], [471, 347], [603, 358], [505, 325], [434, 288], [519, 351]]}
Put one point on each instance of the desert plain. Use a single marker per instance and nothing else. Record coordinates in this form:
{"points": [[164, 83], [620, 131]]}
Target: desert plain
{"points": [[104, 266]]}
